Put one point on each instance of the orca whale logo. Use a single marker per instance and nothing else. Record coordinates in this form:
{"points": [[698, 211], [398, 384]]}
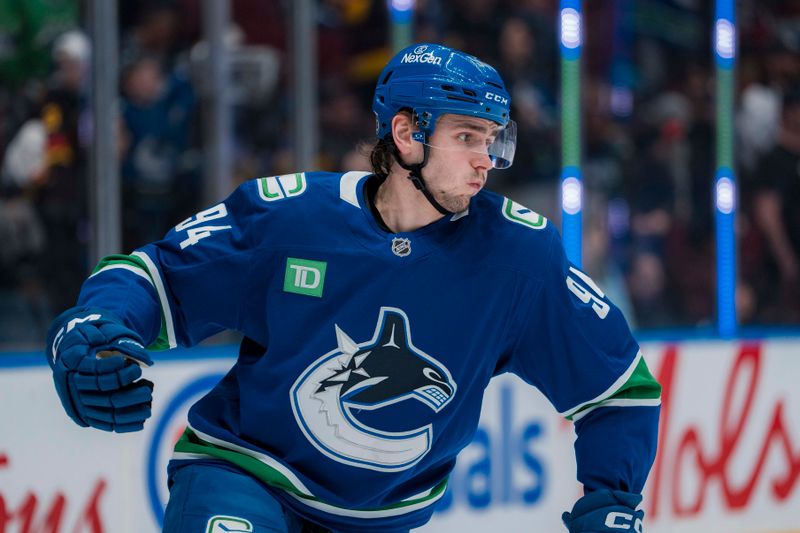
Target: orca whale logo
{"points": [[384, 370]]}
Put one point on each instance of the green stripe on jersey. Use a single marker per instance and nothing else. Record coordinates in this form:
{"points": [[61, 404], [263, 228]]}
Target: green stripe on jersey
{"points": [[194, 446], [191, 443], [120, 259], [641, 389], [138, 266]]}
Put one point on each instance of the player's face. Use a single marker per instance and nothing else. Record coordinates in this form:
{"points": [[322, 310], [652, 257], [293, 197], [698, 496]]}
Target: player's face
{"points": [[458, 163]]}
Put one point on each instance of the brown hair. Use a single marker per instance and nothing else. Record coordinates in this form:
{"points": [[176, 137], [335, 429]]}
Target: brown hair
{"points": [[382, 157], [383, 153]]}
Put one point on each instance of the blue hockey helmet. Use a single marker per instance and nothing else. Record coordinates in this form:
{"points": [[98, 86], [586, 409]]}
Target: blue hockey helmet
{"points": [[431, 80]]}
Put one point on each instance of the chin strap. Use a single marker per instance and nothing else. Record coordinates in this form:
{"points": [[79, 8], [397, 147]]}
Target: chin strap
{"points": [[415, 175]]}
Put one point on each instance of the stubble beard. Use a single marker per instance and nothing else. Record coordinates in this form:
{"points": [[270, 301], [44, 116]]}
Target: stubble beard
{"points": [[452, 202], [455, 203]]}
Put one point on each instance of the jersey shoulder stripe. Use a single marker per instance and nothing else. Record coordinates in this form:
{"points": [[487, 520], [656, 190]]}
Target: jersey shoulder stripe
{"points": [[348, 186], [635, 388], [140, 264]]}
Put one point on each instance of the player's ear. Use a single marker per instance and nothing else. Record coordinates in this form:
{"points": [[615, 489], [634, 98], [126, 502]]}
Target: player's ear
{"points": [[402, 127]]}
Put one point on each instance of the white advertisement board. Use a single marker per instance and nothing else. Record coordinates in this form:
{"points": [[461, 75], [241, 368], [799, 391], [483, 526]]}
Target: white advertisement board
{"points": [[728, 462]]}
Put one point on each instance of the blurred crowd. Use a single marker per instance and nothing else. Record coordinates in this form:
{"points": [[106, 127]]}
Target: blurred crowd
{"points": [[648, 121]]}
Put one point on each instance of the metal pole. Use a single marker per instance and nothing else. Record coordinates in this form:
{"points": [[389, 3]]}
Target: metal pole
{"points": [[305, 85], [570, 23], [218, 123], [725, 180], [104, 184]]}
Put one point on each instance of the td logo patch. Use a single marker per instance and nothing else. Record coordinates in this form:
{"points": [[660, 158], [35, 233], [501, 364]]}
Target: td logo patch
{"points": [[304, 276], [333, 398]]}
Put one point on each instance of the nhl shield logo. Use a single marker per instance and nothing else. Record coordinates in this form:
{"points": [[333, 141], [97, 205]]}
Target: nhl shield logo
{"points": [[401, 246]]}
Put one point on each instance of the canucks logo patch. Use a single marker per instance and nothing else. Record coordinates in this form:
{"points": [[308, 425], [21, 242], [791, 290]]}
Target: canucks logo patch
{"points": [[383, 371], [276, 188], [522, 215], [228, 524]]}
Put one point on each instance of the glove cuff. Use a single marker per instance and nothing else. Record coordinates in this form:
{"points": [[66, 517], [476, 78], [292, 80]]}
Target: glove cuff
{"points": [[59, 326], [605, 510], [598, 499]]}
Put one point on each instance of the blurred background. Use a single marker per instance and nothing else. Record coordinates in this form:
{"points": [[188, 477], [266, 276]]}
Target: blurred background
{"points": [[648, 134], [119, 119]]}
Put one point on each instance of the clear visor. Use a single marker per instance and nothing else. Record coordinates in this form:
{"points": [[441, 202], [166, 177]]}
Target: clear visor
{"points": [[499, 146], [501, 151]]}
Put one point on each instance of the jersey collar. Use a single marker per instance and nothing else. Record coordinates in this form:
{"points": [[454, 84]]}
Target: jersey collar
{"points": [[424, 240]]}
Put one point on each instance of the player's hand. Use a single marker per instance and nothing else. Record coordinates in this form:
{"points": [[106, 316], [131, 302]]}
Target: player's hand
{"points": [[96, 363], [605, 511]]}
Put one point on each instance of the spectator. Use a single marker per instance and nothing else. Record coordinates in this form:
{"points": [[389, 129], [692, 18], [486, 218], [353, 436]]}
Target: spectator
{"points": [[653, 170], [27, 30], [344, 122], [534, 108], [474, 25], [650, 192], [155, 34], [775, 213], [47, 163], [647, 284], [759, 112], [158, 182]]}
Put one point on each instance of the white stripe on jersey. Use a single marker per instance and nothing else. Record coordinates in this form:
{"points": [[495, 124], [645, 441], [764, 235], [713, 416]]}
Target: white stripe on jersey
{"points": [[162, 296]]}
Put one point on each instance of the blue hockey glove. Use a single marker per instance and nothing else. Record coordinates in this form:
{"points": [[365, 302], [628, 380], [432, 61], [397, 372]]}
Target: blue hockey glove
{"points": [[96, 369], [605, 511]]}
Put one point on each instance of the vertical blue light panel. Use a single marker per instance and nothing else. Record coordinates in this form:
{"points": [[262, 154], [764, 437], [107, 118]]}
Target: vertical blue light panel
{"points": [[725, 190], [401, 13], [571, 213], [725, 194], [570, 24], [570, 28]]}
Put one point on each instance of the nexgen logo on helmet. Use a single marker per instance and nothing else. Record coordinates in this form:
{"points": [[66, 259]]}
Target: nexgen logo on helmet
{"points": [[421, 58], [432, 80]]}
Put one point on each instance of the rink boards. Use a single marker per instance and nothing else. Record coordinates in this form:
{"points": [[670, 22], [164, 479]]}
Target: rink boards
{"points": [[728, 462]]}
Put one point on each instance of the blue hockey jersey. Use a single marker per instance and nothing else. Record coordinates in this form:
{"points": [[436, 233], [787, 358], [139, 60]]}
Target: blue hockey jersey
{"points": [[366, 353]]}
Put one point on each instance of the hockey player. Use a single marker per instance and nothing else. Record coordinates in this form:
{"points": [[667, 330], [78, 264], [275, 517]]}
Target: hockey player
{"points": [[375, 308]]}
